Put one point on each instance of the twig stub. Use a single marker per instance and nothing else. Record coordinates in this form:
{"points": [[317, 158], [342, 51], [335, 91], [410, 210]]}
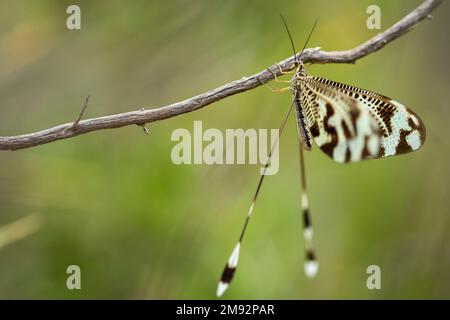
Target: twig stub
{"points": [[80, 115]]}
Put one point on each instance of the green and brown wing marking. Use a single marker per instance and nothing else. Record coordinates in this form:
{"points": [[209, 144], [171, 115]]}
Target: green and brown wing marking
{"points": [[351, 124]]}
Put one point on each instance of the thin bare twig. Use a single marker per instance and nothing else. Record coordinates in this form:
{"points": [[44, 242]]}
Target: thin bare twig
{"points": [[310, 55]]}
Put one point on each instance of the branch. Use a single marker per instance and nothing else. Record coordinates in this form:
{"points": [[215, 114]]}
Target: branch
{"points": [[143, 116], [19, 229]]}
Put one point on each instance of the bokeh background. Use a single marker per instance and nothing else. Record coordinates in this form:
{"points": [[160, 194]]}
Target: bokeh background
{"points": [[139, 226]]}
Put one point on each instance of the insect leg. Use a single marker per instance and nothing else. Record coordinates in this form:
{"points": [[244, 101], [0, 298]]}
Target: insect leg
{"points": [[276, 90], [282, 72]]}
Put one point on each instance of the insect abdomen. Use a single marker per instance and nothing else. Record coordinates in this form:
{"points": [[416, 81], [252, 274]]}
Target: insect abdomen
{"points": [[303, 131]]}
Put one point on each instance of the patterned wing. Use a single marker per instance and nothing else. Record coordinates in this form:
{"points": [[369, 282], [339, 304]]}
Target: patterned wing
{"points": [[402, 130], [339, 124], [351, 124]]}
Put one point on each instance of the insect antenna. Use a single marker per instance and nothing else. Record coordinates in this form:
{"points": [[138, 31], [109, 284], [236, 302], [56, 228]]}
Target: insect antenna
{"points": [[297, 59], [230, 267], [290, 38], [309, 36]]}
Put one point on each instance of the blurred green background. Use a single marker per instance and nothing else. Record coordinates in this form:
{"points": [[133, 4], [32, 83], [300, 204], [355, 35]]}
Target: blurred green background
{"points": [[139, 226]]}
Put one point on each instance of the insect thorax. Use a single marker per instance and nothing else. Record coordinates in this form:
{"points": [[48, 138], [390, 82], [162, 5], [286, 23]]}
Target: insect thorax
{"points": [[298, 77]]}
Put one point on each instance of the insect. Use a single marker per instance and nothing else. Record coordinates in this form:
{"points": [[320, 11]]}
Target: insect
{"points": [[348, 124]]}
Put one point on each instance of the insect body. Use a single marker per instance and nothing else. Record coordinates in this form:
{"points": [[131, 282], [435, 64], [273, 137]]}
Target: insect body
{"points": [[348, 124]]}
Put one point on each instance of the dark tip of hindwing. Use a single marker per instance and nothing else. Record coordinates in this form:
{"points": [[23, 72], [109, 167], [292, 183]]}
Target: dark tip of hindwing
{"points": [[228, 272], [227, 276], [310, 255], [306, 218], [311, 265]]}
